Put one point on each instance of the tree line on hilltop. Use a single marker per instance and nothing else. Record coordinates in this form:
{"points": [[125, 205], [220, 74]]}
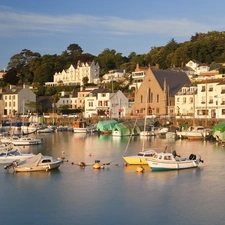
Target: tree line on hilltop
{"points": [[36, 69]]}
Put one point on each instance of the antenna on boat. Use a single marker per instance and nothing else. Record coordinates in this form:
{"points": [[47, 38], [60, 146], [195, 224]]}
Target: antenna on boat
{"points": [[165, 149]]}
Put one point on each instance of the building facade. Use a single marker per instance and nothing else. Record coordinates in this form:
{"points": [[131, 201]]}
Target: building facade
{"points": [[102, 102], [16, 98], [74, 75]]}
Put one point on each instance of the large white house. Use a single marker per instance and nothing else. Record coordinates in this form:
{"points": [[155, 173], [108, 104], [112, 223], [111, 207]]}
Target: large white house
{"points": [[74, 75], [16, 98], [204, 100], [102, 102]]}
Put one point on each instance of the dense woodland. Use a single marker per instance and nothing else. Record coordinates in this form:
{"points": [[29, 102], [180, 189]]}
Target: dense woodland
{"points": [[36, 69]]}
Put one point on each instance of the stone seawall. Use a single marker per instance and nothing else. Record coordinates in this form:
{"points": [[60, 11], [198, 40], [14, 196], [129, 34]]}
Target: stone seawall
{"points": [[210, 123]]}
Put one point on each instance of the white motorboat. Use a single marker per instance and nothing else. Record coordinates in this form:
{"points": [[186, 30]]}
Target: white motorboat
{"points": [[141, 158], [194, 132], [81, 127], [172, 161], [9, 155], [45, 130], [26, 141], [8, 139], [36, 163], [199, 133], [31, 127], [149, 131]]}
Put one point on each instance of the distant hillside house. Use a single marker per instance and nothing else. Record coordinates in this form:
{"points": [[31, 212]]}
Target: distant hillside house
{"points": [[74, 74], [156, 93], [114, 75], [200, 71]]}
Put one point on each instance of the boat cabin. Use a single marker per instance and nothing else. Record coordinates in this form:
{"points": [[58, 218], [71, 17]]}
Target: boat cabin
{"points": [[80, 124]]}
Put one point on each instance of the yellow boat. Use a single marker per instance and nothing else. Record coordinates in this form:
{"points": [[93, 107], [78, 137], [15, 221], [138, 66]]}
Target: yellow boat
{"points": [[141, 158]]}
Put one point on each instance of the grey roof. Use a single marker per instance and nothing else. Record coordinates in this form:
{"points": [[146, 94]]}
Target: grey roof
{"points": [[175, 80], [13, 90], [75, 92], [95, 92]]}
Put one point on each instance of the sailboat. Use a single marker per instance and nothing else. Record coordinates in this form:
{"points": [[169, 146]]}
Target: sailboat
{"points": [[144, 155]]}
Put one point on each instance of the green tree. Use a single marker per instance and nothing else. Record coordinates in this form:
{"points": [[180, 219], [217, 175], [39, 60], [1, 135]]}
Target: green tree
{"points": [[11, 76]]}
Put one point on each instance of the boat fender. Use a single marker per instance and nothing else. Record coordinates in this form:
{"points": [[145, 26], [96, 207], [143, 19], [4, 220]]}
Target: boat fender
{"points": [[82, 164], [124, 164], [97, 166]]}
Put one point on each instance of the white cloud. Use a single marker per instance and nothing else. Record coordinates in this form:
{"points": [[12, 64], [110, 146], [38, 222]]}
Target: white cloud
{"points": [[27, 24]]}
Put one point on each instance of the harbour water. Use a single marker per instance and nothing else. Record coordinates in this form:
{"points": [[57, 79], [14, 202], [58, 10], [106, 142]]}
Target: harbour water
{"points": [[116, 194]]}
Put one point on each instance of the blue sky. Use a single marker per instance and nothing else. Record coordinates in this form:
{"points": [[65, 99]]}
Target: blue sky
{"points": [[49, 27]]}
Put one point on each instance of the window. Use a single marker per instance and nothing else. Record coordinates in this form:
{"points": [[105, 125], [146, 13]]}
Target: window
{"points": [[90, 104], [157, 98], [203, 89], [184, 100], [210, 88], [203, 100], [210, 100]]}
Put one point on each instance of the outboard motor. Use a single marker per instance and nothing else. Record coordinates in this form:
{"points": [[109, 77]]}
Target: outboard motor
{"points": [[192, 157]]}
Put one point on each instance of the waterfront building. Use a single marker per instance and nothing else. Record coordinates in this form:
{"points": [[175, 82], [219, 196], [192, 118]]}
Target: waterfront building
{"points": [[102, 102], [16, 99], [157, 92], [185, 100], [205, 100]]}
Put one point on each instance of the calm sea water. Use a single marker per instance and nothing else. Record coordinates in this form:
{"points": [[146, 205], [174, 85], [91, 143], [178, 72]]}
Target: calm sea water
{"points": [[116, 194]]}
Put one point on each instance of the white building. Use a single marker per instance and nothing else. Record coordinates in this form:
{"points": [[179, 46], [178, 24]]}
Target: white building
{"points": [[74, 75], [16, 98], [203, 101], [185, 100], [114, 75], [102, 102], [137, 79]]}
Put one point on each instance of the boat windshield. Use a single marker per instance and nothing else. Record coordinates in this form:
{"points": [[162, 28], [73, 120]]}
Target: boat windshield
{"points": [[140, 154], [149, 154], [14, 153]]}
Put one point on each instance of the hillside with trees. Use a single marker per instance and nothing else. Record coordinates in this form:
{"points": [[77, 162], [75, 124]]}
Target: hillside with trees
{"points": [[36, 69]]}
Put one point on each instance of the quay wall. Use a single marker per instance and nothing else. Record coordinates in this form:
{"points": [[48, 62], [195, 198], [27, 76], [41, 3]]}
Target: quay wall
{"points": [[175, 122]]}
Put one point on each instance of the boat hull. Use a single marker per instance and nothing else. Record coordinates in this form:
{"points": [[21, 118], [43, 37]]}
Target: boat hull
{"points": [[80, 130], [159, 166], [135, 160], [47, 167]]}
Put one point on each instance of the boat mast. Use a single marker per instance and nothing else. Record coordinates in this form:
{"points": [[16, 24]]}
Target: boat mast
{"points": [[145, 121]]}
